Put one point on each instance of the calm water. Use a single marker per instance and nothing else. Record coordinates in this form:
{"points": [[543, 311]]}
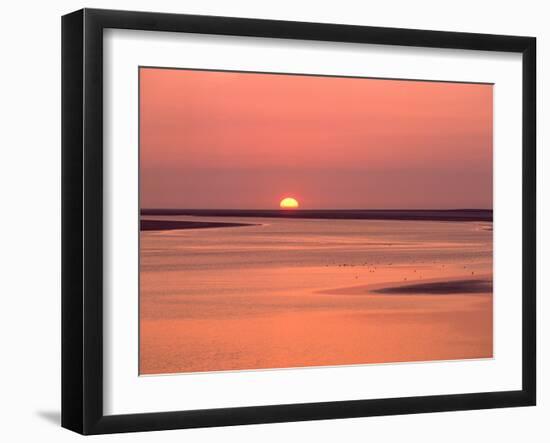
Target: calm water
{"points": [[291, 293]]}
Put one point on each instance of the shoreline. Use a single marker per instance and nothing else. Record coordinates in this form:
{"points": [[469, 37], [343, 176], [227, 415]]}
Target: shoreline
{"points": [[171, 225]]}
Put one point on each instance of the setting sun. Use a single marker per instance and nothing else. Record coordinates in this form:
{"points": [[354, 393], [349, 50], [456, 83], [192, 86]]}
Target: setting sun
{"points": [[289, 203]]}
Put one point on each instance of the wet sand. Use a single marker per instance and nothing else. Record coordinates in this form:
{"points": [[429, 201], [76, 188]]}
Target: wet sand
{"points": [[479, 285], [473, 286], [290, 293]]}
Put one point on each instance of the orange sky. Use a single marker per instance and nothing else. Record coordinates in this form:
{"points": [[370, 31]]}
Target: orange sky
{"points": [[237, 140]]}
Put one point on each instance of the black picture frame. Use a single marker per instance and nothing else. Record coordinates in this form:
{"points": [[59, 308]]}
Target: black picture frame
{"points": [[82, 218]]}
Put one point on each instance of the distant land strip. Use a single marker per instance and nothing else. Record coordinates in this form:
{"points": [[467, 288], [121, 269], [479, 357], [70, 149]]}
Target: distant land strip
{"points": [[168, 225], [349, 214]]}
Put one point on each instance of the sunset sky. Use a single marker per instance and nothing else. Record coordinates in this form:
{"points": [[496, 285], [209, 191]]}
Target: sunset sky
{"points": [[244, 141]]}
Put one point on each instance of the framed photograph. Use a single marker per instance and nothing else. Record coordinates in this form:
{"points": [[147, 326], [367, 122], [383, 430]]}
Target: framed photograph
{"points": [[268, 221]]}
